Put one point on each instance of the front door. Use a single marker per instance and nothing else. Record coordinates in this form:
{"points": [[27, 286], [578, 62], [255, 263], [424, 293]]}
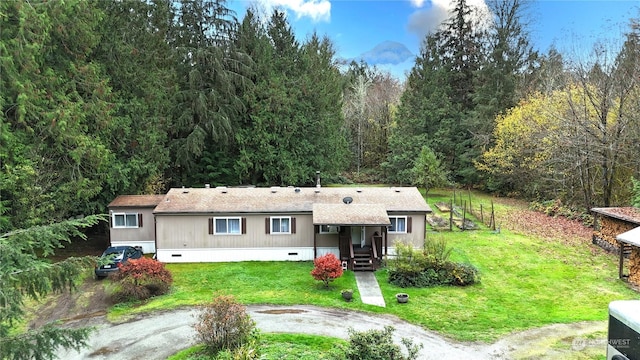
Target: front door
{"points": [[357, 236]]}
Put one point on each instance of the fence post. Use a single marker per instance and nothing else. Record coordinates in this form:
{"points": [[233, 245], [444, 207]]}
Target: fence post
{"points": [[493, 218], [481, 214], [451, 215], [464, 214]]}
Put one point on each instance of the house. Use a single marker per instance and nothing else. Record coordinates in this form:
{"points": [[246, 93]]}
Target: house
{"points": [[357, 224], [131, 221]]}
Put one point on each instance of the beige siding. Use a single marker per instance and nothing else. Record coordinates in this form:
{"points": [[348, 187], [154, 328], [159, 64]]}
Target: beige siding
{"points": [[418, 230], [144, 233], [327, 240], [192, 231]]}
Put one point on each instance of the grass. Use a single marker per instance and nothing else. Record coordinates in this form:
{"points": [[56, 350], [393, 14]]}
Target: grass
{"points": [[526, 282], [283, 347]]}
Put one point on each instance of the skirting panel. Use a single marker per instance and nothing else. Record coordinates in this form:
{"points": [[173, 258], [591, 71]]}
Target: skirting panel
{"points": [[232, 255]]}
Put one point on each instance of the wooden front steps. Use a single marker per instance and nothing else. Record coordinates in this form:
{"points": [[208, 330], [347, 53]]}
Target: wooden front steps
{"points": [[363, 261]]}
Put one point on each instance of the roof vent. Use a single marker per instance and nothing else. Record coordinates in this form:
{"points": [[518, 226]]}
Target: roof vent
{"points": [[207, 186], [359, 190], [347, 200], [297, 190], [274, 189], [397, 190]]}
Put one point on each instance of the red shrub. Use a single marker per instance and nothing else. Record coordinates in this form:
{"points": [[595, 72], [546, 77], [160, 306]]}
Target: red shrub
{"points": [[327, 268], [141, 279]]}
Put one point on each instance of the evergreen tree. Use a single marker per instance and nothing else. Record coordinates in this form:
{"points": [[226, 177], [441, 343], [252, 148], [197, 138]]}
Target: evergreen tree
{"points": [[210, 72], [292, 126], [56, 108], [500, 82], [438, 99], [140, 65], [26, 275]]}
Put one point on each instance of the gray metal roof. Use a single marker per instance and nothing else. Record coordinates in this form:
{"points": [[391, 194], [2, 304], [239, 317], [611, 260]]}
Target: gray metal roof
{"points": [[289, 199], [631, 237]]}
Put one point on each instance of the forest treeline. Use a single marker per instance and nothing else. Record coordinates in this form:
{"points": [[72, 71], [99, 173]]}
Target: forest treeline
{"points": [[101, 98]]}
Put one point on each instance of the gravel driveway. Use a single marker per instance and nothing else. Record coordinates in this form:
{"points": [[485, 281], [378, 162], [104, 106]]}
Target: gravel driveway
{"points": [[159, 335]]}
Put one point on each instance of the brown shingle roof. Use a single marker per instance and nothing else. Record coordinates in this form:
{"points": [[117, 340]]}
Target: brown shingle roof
{"points": [[139, 201], [350, 214], [286, 200], [630, 214]]}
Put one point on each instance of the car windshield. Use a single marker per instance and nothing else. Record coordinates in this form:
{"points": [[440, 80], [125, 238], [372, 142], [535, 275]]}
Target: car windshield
{"points": [[116, 254]]}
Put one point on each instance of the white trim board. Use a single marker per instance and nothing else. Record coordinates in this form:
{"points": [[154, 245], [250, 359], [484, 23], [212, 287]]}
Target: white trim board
{"points": [[243, 254]]}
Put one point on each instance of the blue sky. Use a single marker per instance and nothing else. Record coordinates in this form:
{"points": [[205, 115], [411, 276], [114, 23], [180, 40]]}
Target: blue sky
{"points": [[356, 27]]}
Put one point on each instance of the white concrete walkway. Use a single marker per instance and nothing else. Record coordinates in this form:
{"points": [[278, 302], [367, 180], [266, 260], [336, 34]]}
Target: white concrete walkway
{"points": [[369, 289]]}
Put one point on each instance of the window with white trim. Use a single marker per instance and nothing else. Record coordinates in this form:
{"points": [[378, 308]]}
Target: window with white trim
{"points": [[227, 225], [125, 220], [329, 229], [398, 224], [281, 225]]}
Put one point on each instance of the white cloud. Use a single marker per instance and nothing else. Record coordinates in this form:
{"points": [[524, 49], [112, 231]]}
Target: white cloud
{"points": [[417, 3], [425, 21], [317, 10]]}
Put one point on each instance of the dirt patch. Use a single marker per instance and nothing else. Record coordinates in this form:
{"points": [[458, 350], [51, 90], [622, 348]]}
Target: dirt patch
{"points": [[582, 340], [87, 301]]}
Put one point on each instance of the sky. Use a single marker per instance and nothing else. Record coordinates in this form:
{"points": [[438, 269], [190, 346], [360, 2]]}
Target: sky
{"points": [[389, 33]]}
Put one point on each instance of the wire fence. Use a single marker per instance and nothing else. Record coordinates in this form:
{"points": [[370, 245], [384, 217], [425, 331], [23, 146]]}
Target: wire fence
{"points": [[460, 208]]}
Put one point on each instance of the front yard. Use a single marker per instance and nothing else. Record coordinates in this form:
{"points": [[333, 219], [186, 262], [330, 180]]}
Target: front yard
{"points": [[526, 281]]}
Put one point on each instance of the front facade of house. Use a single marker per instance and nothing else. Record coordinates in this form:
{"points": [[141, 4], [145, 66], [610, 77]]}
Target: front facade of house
{"points": [[276, 224], [241, 224]]}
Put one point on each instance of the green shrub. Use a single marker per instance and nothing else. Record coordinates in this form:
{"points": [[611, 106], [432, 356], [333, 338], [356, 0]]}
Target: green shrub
{"points": [[248, 351], [378, 345], [224, 325], [436, 249], [430, 267], [140, 279]]}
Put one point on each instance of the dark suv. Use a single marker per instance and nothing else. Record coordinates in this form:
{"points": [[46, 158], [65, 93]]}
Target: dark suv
{"points": [[116, 255]]}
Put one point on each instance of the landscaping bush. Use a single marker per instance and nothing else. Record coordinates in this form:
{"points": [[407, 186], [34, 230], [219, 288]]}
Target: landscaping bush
{"points": [[140, 279], [429, 267], [224, 325], [378, 345], [326, 269]]}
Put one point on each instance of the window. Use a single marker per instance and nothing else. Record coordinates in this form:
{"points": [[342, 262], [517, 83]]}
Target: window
{"points": [[329, 229], [126, 220], [398, 224], [224, 226], [281, 225]]}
